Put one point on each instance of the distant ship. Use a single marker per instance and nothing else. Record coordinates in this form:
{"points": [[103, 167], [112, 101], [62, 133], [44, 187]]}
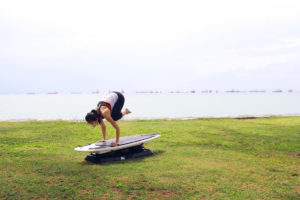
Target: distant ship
{"points": [[206, 91], [52, 93], [257, 91], [232, 91], [96, 92], [235, 91]]}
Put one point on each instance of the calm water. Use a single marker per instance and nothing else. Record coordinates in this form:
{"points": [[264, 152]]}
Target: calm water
{"points": [[150, 106]]}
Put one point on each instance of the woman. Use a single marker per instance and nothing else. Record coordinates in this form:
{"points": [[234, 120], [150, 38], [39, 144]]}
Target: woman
{"points": [[108, 108]]}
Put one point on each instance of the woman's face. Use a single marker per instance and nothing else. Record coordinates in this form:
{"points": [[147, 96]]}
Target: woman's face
{"points": [[94, 123]]}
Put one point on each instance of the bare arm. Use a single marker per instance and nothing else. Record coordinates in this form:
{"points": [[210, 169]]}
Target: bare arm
{"points": [[106, 114], [103, 127]]}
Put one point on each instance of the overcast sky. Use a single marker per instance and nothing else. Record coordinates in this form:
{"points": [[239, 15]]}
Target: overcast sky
{"points": [[82, 46]]}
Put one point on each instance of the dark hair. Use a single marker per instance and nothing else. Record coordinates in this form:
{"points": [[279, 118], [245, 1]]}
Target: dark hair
{"points": [[92, 116]]}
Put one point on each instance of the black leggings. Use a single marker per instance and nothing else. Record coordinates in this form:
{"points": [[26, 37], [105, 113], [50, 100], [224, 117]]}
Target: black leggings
{"points": [[116, 113]]}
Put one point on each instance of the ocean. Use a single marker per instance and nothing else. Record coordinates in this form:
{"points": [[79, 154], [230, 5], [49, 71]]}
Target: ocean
{"points": [[150, 106]]}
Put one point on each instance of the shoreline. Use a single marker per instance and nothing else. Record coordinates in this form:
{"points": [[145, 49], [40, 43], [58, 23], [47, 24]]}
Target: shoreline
{"points": [[164, 118]]}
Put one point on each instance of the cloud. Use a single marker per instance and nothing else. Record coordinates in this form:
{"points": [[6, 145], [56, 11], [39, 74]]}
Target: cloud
{"points": [[183, 42]]}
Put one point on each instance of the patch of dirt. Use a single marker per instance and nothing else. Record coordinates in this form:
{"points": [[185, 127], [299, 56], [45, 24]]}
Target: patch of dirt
{"points": [[34, 148], [298, 190]]}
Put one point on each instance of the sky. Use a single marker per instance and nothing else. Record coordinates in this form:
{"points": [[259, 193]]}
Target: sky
{"points": [[84, 46]]}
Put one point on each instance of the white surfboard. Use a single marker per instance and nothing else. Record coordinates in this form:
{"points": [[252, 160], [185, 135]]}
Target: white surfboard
{"points": [[124, 142]]}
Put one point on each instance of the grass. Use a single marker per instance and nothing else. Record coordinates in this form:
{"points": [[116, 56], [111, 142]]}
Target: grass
{"points": [[193, 159]]}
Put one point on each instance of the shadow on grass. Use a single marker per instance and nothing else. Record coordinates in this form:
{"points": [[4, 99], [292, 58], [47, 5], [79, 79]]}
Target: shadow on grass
{"points": [[118, 162]]}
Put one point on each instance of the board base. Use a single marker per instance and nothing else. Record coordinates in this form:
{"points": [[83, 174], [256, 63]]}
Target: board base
{"points": [[123, 154]]}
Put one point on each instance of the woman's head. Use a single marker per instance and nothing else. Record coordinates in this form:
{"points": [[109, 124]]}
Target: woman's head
{"points": [[92, 118]]}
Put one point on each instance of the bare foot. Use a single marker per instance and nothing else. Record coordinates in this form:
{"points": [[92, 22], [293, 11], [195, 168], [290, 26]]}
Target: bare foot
{"points": [[127, 111], [113, 144]]}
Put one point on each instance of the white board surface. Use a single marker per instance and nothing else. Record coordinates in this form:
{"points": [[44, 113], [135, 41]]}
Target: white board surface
{"points": [[124, 142]]}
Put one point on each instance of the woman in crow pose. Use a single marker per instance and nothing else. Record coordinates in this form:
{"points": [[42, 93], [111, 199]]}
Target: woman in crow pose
{"points": [[109, 108]]}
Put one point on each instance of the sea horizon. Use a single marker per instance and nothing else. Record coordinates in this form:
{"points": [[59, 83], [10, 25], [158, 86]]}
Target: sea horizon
{"points": [[164, 106]]}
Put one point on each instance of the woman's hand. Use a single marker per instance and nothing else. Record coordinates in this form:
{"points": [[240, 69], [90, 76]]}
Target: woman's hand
{"points": [[113, 144]]}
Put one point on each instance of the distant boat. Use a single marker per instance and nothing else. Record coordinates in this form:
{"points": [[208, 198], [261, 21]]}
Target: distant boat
{"points": [[145, 92], [52, 93], [257, 91], [205, 91], [235, 91], [278, 91], [231, 91], [30, 93], [96, 92]]}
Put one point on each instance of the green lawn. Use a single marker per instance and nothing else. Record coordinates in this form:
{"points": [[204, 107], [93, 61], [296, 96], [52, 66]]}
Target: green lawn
{"points": [[193, 159]]}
